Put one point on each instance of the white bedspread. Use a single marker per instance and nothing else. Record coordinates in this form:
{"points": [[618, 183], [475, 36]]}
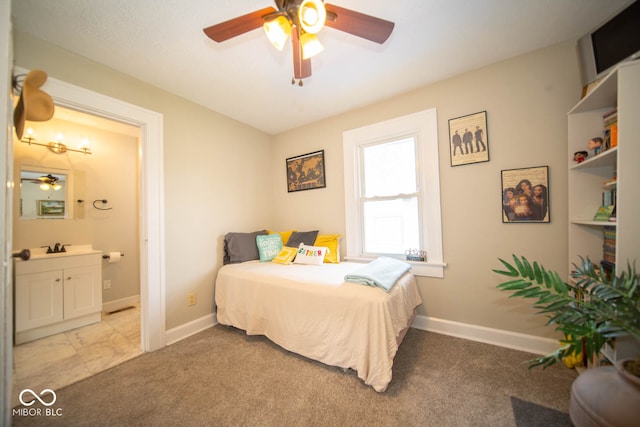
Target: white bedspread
{"points": [[312, 311]]}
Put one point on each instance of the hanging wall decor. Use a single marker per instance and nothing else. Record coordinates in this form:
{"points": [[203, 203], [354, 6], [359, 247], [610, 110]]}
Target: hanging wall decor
{"points": [[525, 195], [468, 140], [306, 172]]}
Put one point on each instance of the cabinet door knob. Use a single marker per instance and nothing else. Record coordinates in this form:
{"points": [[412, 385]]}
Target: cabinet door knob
{"points": [[69, 278], [58, 279]]}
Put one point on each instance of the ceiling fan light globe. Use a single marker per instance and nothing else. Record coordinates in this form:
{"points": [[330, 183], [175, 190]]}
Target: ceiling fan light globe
{"points": [[311, 46], [44, 186], [312, 16], [278, 31]]}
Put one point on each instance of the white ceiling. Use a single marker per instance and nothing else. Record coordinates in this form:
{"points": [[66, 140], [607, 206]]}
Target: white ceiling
{"points": [[161, 42]]}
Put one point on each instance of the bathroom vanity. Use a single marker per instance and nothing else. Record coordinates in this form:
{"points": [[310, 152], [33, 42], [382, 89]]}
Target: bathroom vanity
{"points": [[57, 292]]}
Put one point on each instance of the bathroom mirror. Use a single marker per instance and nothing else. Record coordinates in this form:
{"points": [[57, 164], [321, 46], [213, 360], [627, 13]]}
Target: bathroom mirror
{"points": [[45, 193]]}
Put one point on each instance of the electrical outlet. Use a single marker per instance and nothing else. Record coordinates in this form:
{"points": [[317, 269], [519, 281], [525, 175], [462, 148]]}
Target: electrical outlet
{"points": [[191, 299], [106, 284]]}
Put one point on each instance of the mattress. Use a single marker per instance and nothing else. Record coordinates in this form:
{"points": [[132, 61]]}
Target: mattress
{"points": [[310, 310]]}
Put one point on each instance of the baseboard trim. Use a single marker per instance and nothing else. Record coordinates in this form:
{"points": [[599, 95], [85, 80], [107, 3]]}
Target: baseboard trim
{"points": [[108, 307], [499, 337], [514, 340], [181, 332]]}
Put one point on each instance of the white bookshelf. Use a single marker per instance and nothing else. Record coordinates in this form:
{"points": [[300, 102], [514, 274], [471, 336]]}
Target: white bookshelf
{"points": [[621, 90]]}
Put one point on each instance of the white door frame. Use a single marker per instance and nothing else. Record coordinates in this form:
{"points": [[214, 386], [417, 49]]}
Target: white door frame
{"points": [[152, 273], [6, 181]]}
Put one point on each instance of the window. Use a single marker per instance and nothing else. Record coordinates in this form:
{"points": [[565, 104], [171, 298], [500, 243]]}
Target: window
{"points": [[389, 197], [392, 190]]}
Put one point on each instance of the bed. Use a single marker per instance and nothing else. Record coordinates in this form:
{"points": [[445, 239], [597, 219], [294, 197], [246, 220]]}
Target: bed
{"points": [[312, 311]]}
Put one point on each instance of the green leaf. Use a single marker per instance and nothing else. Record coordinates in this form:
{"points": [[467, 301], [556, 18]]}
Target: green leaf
{"points": [[528, 271], [547, 298], [519, 266], [512, 272], [538, 273], [514, 285], [558, 283]]}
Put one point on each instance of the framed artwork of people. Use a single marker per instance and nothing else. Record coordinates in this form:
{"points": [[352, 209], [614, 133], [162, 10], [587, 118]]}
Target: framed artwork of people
{"points": [[525, 195], [468, 140]]}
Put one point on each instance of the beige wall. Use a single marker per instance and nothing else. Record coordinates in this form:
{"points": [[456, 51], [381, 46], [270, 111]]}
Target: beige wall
{"points": [[110, 173], [215, 170], [526, 100], [212, 169]]}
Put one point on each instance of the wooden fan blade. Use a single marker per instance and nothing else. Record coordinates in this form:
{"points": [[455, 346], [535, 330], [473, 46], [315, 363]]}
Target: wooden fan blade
{"points": [[236, 26], [301, 67], [356, 23]]}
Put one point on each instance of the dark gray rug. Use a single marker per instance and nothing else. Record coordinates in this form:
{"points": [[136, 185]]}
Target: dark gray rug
{"points": [[528, 414]]}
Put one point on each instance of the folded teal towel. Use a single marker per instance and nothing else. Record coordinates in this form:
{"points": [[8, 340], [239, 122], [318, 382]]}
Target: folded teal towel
{"points": [[382, 272]]}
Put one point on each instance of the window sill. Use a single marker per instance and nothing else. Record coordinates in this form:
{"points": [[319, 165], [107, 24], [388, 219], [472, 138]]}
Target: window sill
{"points": [[421, 269]]}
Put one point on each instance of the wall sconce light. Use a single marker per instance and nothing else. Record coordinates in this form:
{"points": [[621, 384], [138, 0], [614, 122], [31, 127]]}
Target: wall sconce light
{"points": [[55, 146]]}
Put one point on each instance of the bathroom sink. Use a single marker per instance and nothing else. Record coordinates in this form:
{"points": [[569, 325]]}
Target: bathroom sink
{"points": [[71, 250]]}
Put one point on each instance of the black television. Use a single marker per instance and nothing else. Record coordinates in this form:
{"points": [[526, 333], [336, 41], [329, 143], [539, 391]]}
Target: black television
{"points": [[617, 40]]}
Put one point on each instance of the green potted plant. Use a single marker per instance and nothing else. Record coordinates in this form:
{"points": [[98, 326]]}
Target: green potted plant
{"points": [[591, 310]]}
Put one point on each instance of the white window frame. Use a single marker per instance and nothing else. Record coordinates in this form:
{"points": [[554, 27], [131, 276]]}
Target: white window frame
{"points": [[424, 126]]}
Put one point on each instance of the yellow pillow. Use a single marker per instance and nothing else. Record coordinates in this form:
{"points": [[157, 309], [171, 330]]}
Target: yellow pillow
{"points": [[286, 255], [284, 234], [331, 241]]}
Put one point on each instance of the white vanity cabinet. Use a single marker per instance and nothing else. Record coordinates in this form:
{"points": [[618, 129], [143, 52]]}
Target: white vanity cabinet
{"points": [[56, 293]]}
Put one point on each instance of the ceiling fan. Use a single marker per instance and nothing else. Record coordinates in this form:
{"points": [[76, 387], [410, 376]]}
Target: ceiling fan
{"points": [[46, 182], [302, 20]]}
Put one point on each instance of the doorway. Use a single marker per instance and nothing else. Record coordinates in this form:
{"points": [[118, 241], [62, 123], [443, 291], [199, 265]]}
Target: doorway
{"points": [[108, 169], [151, 239]]}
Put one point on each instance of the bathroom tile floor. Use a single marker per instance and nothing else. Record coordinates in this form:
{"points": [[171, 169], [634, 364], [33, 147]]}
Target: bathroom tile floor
{"points": [[59, 360]]}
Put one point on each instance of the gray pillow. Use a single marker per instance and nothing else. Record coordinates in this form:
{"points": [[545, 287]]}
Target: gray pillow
{"points": [[306, 237], [241, 247]]}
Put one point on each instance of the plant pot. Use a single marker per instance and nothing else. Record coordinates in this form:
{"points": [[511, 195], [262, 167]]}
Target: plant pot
{"points": [[605, 396]]}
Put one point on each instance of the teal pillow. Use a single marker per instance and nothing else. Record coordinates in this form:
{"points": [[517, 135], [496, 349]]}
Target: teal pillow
{"points": [[269, 246]]}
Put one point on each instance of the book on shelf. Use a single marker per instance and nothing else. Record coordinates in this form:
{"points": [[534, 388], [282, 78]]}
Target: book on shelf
{"points": [[609, 197], [609, 245], [613, 131], [610, 233], [610, 125], [610, 118], [604, 213]]}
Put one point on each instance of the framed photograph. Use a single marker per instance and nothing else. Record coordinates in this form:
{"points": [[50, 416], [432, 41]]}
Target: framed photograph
{"points": [[306, 172], [525, 195], [468, 139], [51, 208]]}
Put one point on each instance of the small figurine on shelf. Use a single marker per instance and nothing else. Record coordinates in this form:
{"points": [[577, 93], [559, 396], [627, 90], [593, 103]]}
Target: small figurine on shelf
{"points": [[580, 156], [595, 144]]}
